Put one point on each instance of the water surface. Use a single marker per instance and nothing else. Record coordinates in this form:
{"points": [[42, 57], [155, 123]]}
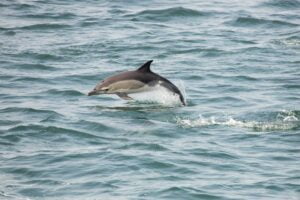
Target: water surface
{"points": [[238, 63]]}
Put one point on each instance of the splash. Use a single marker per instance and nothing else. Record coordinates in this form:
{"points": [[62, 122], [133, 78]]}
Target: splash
{"points": [[285, 120], [160, 95], [293, 41]]}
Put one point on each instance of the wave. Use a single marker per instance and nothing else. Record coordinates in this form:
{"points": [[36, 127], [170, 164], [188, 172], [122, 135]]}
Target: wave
{"points": [[19, 6], [166, 14], [29, 79], [33, 27], [245, 78], [9, 33], [41, 131], [284, 4], [252, 21], [144, 146], [5, 29], [185, 192], [91, 21], [27, 66], [6, 77], [78, 77], [64, 92], [49, 16], [41, 115], [39, 56], [285, 120], [27, 110], [44, 26], [208, 52], [9, 122]]}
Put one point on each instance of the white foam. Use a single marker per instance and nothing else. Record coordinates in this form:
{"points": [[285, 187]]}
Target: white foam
{"points": [[291, 42], [286, 123], [159, 94], [287, 116]]}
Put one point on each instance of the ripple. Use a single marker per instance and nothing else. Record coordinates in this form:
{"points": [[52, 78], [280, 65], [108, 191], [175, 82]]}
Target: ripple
{"points": [[167, 14], [32, 67], [96, 127], [8, 122], [47, 15], [25, 171], [176, 192], [145, 146], [64, 93], [244, 78], [226, 100], [212, 154], [33, 192], [27, 110], [284, 4], [49, 182], [91, 21], [46, 26], [251, 21], [39, 56], [52, 133], [209, 52], [9, 33], [78, 78], [21, 6], [27, 79]]}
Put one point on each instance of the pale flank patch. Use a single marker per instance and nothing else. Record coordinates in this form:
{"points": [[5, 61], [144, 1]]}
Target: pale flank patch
{"points": [[127, 86]]}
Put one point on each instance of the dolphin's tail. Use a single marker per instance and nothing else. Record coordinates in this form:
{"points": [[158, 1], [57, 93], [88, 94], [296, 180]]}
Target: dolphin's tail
{"points": [[182, 99], [170, 86]]}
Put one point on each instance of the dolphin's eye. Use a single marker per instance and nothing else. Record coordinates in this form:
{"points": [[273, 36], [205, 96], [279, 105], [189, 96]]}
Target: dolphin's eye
{"points": [[106, 89]]}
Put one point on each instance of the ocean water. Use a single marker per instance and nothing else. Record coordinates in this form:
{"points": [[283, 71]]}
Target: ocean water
{"points": [[237, 63]]}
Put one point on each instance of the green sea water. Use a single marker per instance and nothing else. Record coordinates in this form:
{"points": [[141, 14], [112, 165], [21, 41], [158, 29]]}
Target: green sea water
{"points": [[236, 62]]}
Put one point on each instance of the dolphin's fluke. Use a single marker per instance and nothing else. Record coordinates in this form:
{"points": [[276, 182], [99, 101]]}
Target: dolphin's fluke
{"points": [[145, 67]]}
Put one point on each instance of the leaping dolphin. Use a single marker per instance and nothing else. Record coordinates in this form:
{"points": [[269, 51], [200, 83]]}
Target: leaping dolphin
{"points": [[140, 80]]}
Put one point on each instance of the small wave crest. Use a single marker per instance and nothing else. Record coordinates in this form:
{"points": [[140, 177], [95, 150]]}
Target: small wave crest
{"points": [[166, 14], [63, 93], [284, 4], [286, 120], [252, 21], [49, 15], [37, 27], [293, 41]]}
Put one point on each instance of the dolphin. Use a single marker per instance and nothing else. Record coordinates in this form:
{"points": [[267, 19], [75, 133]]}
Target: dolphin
{"points": [[140, 80]]}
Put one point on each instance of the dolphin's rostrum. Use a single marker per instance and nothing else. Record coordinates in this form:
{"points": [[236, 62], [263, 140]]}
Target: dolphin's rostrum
{"points": [[142, 79]]}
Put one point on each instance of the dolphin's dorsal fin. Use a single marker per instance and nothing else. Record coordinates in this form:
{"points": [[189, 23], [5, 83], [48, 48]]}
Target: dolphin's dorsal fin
{"points": [[145, 67]]}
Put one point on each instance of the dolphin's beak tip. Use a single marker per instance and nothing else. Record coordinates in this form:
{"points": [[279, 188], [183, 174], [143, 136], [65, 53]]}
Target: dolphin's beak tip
{"points": [[91, 93]]}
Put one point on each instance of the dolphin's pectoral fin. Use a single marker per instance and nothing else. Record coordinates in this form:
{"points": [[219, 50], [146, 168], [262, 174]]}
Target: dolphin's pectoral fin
{"points": [[124, 96]]}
